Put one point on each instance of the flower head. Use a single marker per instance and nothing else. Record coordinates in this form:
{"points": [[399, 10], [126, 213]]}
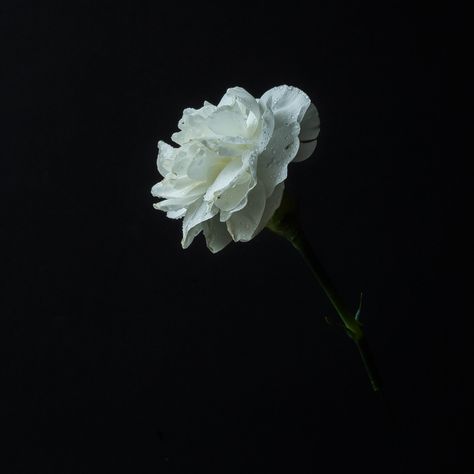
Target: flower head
{"points": [[226, 177]]}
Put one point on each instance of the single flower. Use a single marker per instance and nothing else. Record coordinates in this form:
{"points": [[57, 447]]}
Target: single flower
{"points": [[226, 176]]}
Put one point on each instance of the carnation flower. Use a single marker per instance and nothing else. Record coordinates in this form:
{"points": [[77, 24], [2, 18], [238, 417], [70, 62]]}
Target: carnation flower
{"points": [[226, 175]]}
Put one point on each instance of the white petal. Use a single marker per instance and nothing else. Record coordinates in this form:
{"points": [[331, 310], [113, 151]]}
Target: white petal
{"points": [[192, 116], [177, 188], [224, 180], [165, 157], [205, 165], [308, 134], [230, 198], [182, 159], [197, 213], [176, 214], [227, 122], [174, 204], [242, 225], [252, 123], [288, 103], [241, 95], [217, 236], [272, 204], [267, 125], [280, 151], [193, 124], [190, 235], [225, 215]]}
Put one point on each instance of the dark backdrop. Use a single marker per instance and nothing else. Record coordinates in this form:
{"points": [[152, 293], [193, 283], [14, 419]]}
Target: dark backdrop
{"points": [[124, 353]]}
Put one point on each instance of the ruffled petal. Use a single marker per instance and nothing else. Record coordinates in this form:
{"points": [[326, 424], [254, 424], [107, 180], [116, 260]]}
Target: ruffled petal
{"points": [[267, 127], [238, 94], [175, 204], [287, 103], [280, 151], [216, 234], [226, 121], [176, 214], [193, 124], [225, 215], [230, 198], [204, 164], [272, 204], [177, 188], [242, 225], [225, 179], [191, 234], [196, 214], [165, 158]]}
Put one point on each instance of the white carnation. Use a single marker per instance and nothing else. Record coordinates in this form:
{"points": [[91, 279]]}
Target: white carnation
{"points": [[226, 177]]}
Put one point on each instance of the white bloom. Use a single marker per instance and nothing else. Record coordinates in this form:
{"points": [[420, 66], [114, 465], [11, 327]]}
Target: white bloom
{"points": [[226, 177]]}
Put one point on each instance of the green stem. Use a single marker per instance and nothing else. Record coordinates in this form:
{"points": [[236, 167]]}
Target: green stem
{"points": [[350, 323], [369, 363], [285, 224]]}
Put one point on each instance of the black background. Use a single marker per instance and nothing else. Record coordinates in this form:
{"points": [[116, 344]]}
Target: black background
{"points": [[124, 353]]}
